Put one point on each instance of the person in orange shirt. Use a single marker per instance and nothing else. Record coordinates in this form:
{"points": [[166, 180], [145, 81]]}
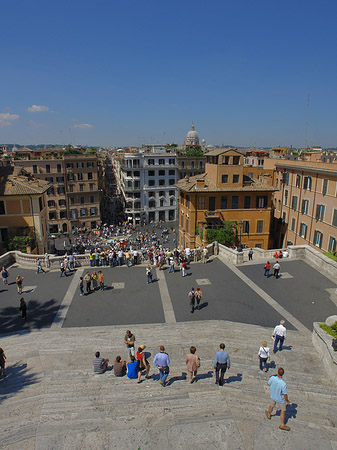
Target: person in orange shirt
{"points": [[101, 280]]}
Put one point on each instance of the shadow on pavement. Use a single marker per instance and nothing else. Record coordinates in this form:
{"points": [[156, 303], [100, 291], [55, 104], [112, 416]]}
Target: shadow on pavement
{"points": [[173, 379], [16, 379], [203, 376], [233, 378]]}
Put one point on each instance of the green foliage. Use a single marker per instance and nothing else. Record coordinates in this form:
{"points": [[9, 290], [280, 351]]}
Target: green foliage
{"points": [[20, 243], [331, 255], [225, 234], [193, 150], [330, 330]]}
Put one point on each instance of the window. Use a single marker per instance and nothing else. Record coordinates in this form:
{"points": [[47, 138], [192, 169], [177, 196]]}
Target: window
{"points": [[151, 194], [224, 179], [236, 160], [52, 215], [93, 211], [150, 162], [298, 181], [171, 214], [161, 202], [318, 238], [303, 230], [171, 161], [171, 192], [224, 202], [225, 160], [136, 173], [70, 165], [83, 212], [187, 201], [305, 206], [62, 202], [294, 202], [82, 200], [161, 193], [332, 244], [172, 172], [187, 224], [293, 224], [259, 226], [48, 168], [152, 204], [161, 173], [63, 214], [279, 205], [91, 186], [72, 200], [60, 190], [91, 164], [247, 202], [161, 162], [211, 203], [80, 165], [183, 164], [245, 226], [151, 173], [334, 218], [320, 210], [50, 179], [235, 202], [182, 198], [80, 176], [325, 186], [89, 175], [92, 199], [201, 202], [286, 193], [171, 201], [151, 183], [73, 213], [235, 179], [50, 191], [59, 179], [307, 183], [34, 168], [284, 217], [192, 164], [51, 203], [58, 168], [171, 181], [70, 177], [81, 187], [285, 178], [261, 201], [162, 183]]}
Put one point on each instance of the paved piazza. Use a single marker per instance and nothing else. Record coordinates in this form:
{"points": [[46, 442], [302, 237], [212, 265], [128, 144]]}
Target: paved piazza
{"points": [[238, 294]]}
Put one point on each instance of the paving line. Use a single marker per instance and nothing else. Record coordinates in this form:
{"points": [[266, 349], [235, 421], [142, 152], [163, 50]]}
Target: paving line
{"points": [[64, 307], [267, 298], [165, 297]]}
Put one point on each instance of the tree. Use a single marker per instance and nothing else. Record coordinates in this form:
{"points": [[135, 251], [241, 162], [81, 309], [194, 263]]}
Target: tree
{"points": [[225, 234], [20, 243]]}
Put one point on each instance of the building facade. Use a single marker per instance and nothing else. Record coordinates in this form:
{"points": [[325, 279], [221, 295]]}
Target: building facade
{"points": [[225, 192], [73, 197], [305, 203]]}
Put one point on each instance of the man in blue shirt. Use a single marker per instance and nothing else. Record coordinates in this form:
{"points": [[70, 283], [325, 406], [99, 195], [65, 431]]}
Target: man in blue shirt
{"points": [[221, 364], [162, 361], [279, 397]]}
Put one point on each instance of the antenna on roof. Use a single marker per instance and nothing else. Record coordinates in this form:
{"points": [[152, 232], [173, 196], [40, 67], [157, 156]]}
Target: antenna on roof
{"points": [[307, 123]]}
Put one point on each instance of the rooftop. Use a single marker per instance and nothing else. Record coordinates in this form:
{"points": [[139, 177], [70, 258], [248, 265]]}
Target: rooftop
{"points": [[16, 181]]}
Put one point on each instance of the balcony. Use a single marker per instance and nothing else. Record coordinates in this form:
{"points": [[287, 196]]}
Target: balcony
{"points": [[213, 216]]}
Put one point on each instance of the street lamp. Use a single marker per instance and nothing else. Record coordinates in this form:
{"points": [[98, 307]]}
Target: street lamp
{"points": [[240, 245]]}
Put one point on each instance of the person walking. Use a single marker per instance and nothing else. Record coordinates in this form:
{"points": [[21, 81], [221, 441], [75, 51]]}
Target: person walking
{"points": [[250, 254], [87, 279], [204, 255], [279, 334], [191, 295], [62, 269], [129, 341], [171, 269], [279, 397], [39, 266], [94, 278], [267, 269], [23, 308], [80, 285], [2, 362], [149, 274], [101, 280], [162, 361], [198, 297], [143, 363], [192, 364], [19, 284], [91, 259], [276, 268], [47, 260], [184, 268], [5, 275], [264, 356], [221, 364]]}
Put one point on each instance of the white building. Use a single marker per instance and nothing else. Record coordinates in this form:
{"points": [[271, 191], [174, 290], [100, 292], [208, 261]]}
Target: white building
{"points": [[146, 182]]}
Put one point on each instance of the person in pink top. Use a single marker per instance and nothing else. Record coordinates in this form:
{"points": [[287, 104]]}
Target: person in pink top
{"points": [[192, 364]]}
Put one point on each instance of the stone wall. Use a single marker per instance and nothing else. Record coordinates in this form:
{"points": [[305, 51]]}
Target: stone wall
{"points": [[322, 342]]}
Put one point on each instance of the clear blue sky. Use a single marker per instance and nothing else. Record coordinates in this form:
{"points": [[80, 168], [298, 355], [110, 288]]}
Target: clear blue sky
{"points": [[129, 72]]}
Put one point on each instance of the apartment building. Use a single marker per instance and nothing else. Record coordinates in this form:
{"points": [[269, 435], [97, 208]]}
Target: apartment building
{"points": [[189, 166], [146, 182], [305, 203], [226, 191], [73, 196], [23, 210]]}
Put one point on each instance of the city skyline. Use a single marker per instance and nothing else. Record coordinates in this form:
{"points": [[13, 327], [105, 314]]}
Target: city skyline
{"points": [[130, 74]]}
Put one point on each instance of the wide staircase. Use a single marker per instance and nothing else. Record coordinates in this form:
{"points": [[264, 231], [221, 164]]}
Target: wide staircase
{"points": [[51, 399]]}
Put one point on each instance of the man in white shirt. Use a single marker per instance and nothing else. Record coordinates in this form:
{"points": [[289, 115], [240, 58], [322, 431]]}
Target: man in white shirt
{"points": [[279, 334]]}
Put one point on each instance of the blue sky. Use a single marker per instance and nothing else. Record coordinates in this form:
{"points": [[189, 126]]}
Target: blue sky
{"points": [[132, 72]]}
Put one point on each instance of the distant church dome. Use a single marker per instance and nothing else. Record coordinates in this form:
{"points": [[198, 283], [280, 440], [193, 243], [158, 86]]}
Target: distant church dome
{"points": [[192, 137]]}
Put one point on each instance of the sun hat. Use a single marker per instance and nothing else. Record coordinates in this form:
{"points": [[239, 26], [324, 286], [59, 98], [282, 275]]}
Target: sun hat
{"points": [[142, 346]]}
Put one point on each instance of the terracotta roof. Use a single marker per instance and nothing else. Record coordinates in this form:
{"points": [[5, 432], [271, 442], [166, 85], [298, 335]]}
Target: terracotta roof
{"points": [[190, 185], [220, 151], [17, 182]]}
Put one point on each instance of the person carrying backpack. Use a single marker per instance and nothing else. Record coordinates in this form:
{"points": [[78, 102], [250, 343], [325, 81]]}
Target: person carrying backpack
{"points": [[191, 295]]}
